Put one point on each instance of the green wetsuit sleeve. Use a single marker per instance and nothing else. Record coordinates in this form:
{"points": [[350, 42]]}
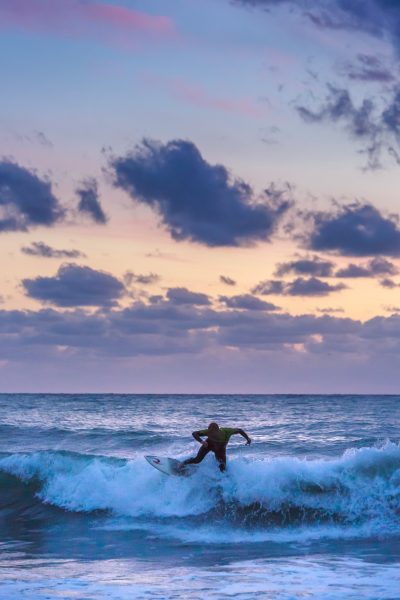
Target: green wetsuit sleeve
{"points": [[228, 432]]}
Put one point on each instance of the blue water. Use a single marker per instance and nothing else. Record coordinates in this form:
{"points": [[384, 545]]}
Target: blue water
{"points": [[310, 510]]}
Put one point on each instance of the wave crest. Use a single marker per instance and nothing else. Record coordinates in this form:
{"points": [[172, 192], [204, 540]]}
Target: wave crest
{"points": [[362, 487]]}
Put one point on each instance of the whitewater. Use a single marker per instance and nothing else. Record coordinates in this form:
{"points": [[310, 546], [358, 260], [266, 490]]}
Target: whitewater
{"points": [[310, 510]]}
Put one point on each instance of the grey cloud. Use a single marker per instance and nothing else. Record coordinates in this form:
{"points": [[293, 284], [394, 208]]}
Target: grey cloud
{"points": [[355, 230], [194, 199], [227, 280], [379, 18], [358, 121], [299, 287], [388, 283], [247, 302], [26, 200], [74, 285], [376, 128], [269, 287], [306, 266], [367, 67], [374, 268], [42, 139], [149, 279], [312, 287], [89, 202], [180, 295], [167, 328]]}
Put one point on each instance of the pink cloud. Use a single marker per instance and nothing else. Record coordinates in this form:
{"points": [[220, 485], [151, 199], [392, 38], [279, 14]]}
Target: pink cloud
{"points": [[198, 96], [85, 19], [195, 94]]}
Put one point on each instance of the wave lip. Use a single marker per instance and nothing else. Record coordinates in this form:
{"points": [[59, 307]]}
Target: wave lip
{"points": [[359, 490]]}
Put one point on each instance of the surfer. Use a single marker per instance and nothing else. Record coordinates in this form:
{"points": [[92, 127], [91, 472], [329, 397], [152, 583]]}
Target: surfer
{"points": [[217, 441]]}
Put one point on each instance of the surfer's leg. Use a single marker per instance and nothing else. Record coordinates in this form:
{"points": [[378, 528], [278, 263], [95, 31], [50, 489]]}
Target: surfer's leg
{"points": [[197, 459], [220, 455]]}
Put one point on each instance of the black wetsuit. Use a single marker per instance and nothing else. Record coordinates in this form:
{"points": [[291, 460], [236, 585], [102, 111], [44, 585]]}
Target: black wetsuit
{"points": [[219, 449], [217, 444]]}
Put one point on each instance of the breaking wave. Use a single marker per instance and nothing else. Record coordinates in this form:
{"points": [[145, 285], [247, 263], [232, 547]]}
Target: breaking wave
{"points": [[357, 493]]}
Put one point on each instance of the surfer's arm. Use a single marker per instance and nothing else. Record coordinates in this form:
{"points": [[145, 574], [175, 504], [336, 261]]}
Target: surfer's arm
{"points": [[243, 434], [197, 436]]}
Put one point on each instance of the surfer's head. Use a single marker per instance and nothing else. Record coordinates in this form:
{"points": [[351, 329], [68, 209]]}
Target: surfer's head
{"points": [[213, 427]]}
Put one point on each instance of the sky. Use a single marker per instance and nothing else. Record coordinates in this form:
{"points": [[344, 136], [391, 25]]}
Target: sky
{"points": [[200, 196]]}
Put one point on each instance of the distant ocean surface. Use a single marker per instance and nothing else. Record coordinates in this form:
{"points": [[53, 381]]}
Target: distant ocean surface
{"points": [[311, 510]]}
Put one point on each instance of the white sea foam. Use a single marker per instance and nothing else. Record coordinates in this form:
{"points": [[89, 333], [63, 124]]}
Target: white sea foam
{"points": [[313, 578], [357, 494]]}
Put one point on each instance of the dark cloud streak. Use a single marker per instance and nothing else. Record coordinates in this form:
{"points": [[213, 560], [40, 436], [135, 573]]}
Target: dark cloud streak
{"points": [[45, 251], [227, 280]]}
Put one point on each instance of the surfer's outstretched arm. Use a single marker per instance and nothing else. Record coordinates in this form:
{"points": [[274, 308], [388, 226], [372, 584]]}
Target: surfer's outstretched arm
{"points": [[243, 434]]}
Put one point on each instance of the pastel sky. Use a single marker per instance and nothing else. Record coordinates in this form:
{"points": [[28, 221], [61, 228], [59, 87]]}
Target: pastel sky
{"points": [[200, 196]]}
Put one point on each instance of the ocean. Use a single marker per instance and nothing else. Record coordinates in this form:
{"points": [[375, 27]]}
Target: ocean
{"points": [[311, 510]]}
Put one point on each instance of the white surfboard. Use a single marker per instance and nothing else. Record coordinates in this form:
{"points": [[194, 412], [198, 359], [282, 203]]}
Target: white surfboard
{"points": [[169, 466]]}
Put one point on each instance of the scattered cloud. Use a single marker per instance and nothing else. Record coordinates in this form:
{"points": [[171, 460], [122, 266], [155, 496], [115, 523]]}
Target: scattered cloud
{"points": [[149, 279], [358, 121], [376, 128], [43, 250], [227, 280], [270, 135], [89, 202], [74, 285], [379, 18], [374, 268], [36, 137], [195, 200], [247, 302], [389, 283], [306, 266], [26, 200], [393, 309], [355, 230], [42, 139], [181, 295], [269, 287], [299, 287], [367, 68], [158, 254]]}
